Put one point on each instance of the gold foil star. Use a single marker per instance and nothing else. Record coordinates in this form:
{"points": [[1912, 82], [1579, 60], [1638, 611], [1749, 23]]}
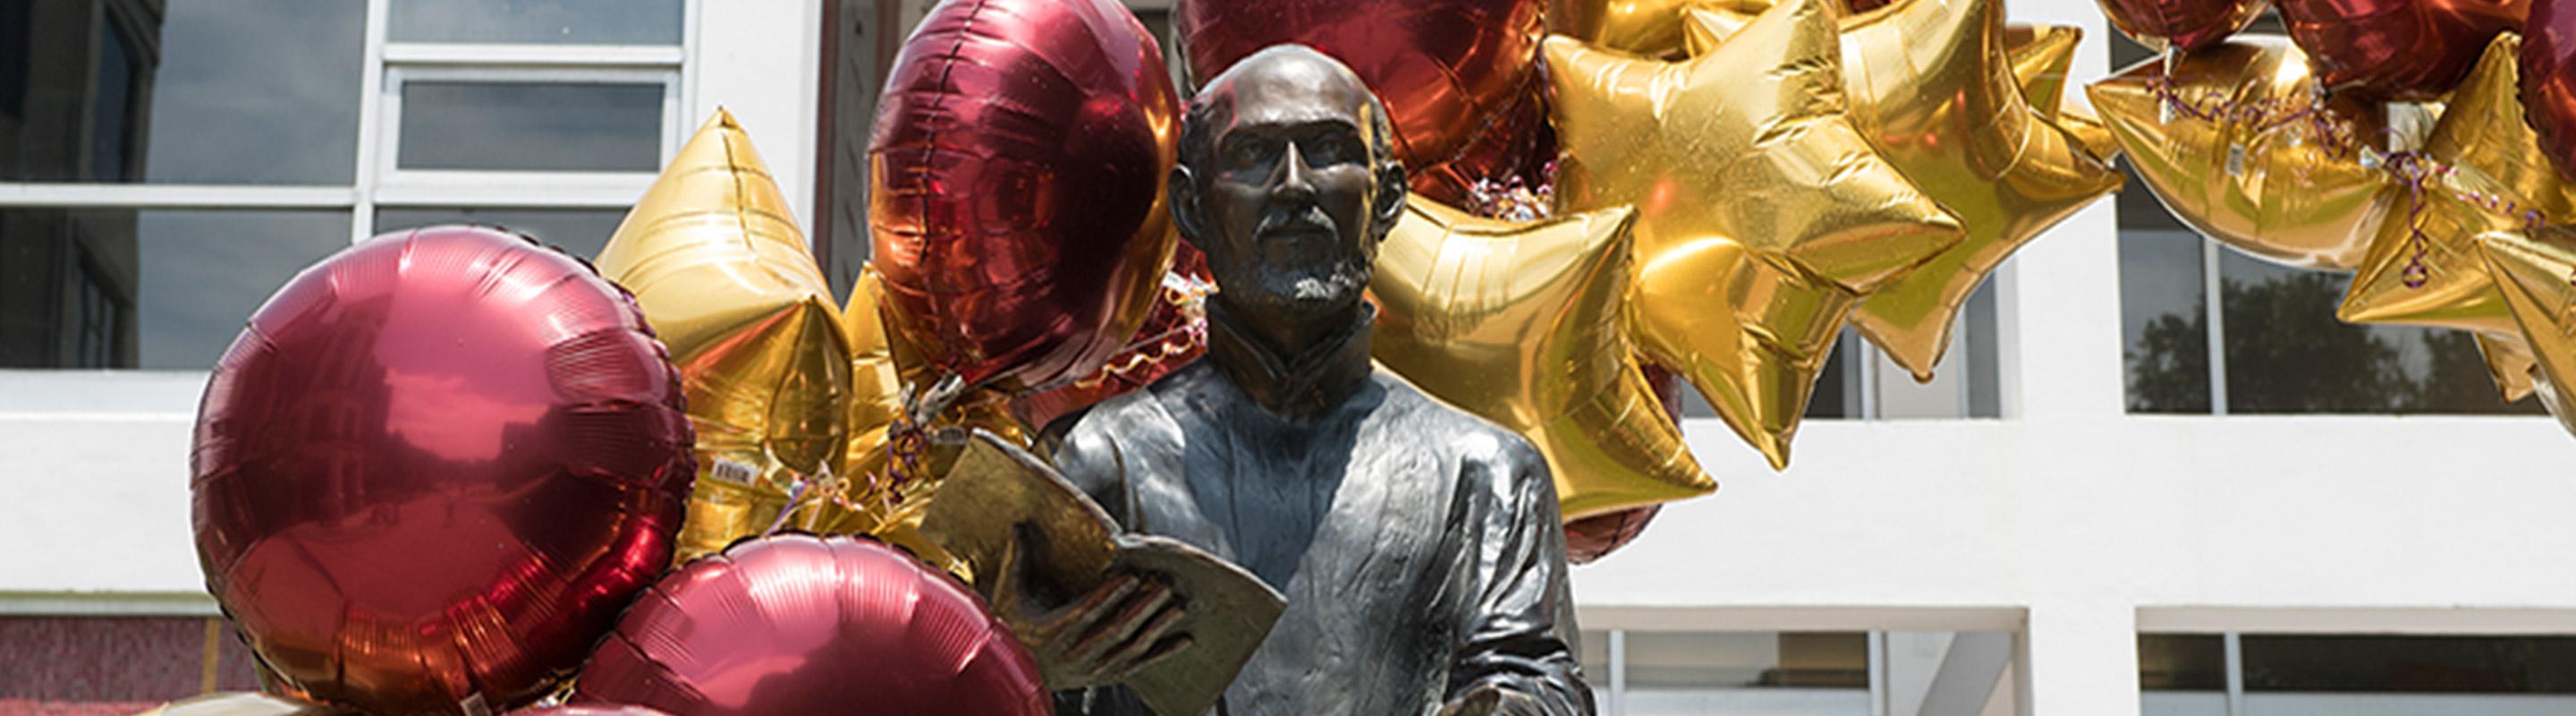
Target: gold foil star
{"points": [[2536, 273], [2481, 171], [1519, 323], [2233, 140], [1931, 85], [728, 282], [1762, 215]]}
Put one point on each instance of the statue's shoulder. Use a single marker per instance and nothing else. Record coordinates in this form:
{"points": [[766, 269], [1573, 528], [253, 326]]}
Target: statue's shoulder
{"points": [[1126, 434], [1479, 445]]}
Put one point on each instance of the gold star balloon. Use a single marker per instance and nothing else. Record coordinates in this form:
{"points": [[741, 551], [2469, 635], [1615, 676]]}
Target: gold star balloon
{"points": [[1519, 322], [1650, 28], [2510, 362], [1931, 85], [2536, 273], [1762, 215], [2235, 142], [2041, 56], [2481, 171], [726, 279]]}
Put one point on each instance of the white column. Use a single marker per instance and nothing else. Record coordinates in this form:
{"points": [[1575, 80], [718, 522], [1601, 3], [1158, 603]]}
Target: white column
{"points": [[2078, 658], [762, 59]]}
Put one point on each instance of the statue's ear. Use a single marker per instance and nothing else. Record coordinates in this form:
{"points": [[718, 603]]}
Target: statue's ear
{"points": [[1182, 191], [1391, 189]]}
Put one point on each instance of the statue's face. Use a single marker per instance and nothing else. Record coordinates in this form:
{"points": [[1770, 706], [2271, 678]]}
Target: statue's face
{"points": [[1291, 195]]}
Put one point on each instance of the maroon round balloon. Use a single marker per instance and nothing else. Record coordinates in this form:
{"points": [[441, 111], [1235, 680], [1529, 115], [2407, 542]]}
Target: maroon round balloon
{"points": [[589, 710], [798, 624], [1448, 70], [2397, 49], [2184, 24], [2549, 80], [1015, 187], [434, 467]]}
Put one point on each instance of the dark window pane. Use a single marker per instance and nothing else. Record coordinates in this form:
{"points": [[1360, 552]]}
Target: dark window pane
{"points": [[630, 22], [580, 231], [2410, 664], [531, 126], [1985, 381], [2164, 324], [1836, 660], [115, 665], [2182, 662], [2286, 353], [239, 92], [122, 288]]}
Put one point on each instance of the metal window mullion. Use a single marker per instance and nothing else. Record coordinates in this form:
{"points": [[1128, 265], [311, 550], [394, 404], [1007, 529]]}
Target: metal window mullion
{"points": [[2234, 643], [531, 55], [1866, 358], [174, 196], [374, 119], [1878, 695], [1618, 672], [2214, 300]]}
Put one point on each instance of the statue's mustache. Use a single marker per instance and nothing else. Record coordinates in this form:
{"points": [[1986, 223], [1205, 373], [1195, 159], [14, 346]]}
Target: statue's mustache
{"points": [[1307, 218]]}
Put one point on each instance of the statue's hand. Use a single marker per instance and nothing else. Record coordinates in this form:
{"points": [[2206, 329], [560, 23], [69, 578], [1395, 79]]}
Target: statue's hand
{"points": [[1125, 624], [1490, 700]]}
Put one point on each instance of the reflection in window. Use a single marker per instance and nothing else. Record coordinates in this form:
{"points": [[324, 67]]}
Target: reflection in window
{"points": [[2182, 675], [112, 106], [2360, 675], [254, 92], [531, 126], [629, 22], [155, 289], [580, 231], [1747, 672]]}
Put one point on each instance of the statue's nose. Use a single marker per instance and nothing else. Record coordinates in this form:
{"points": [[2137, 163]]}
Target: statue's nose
{"points": [[1294, 180]]}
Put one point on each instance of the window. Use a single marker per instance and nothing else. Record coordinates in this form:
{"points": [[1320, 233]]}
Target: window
{"points": [[164, 170], [2278, 347], [1661, 673], [2355, 675]]}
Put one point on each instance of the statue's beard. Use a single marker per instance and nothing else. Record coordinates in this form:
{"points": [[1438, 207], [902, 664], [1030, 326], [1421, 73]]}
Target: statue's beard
{"points": [[1310, 290]]}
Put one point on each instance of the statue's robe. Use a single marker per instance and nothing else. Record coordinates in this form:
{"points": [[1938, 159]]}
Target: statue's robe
{"points": [[1418, 545]]}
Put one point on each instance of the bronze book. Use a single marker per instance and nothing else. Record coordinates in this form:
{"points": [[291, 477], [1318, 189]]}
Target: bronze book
{"points": [[1066, 546]]}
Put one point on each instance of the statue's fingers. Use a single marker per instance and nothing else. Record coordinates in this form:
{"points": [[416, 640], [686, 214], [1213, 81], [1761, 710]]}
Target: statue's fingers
{"points": [[1147, 641], [1106, 636], [1084, 616], [1164, 649]]}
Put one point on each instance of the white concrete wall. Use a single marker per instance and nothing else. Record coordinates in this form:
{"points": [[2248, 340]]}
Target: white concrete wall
{"points": [[2068, 521]]}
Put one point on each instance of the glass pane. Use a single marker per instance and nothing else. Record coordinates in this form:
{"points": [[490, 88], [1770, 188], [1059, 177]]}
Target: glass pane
{"points": [[1747, 659], [240, 92], [535, 126], [624, 22], [115, 665], [580, 231], [2163, 320], [2411, 664], [2182, 662], [125, 288], [2286, 353], [1747, 673]]}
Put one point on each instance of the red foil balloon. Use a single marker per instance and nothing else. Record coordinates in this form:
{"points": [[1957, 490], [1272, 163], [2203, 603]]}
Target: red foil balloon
{"points": [[2549, 80], [1015, 187], [2397, 49], [1449, 71], [798, 624], [433, 469], [1174, 335], [2184, 24]]}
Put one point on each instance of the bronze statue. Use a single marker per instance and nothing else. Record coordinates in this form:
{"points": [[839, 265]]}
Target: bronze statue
{"points": [[1417, 545]]}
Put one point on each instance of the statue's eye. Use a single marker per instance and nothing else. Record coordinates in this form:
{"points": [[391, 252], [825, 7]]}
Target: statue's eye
{"points": [[1247, 154], [1330, 150]]}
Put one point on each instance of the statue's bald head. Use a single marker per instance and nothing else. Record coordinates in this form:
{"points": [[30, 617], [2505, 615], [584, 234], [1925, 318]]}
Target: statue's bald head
{"points": [[1284, 77], [1287, 179]]}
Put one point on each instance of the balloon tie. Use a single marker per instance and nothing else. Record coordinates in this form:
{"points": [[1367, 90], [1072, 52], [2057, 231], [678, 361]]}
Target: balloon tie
{"points": [[908, 437]]}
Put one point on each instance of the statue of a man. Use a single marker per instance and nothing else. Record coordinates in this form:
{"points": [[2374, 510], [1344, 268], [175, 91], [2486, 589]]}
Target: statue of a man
{"points": [[1417, 545]]}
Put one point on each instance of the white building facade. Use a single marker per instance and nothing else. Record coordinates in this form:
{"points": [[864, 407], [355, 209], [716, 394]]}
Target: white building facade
{"points": [[2079, 517]]}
